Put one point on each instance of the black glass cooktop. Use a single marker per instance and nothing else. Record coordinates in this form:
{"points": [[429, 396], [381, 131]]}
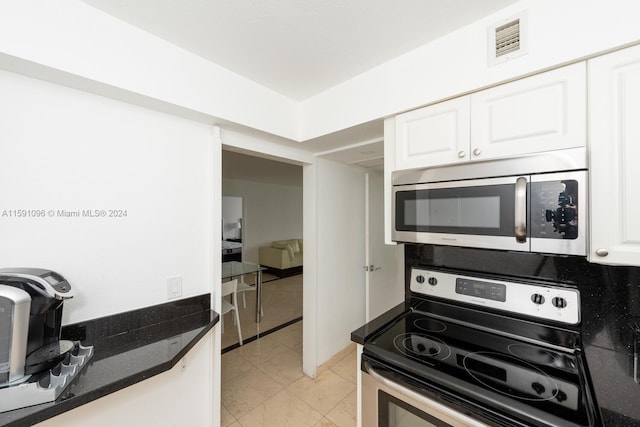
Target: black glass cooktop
{"points": [[520, 378]]}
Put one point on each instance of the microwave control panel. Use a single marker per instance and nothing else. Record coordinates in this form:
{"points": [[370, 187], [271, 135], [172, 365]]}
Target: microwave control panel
{"points": [[554, 212], [547, 302]]}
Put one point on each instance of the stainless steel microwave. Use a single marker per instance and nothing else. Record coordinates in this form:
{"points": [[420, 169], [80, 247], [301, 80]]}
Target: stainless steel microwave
{"points": [[534, 203]]}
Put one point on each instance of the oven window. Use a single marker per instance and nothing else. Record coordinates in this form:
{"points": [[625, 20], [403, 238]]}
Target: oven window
{"points": [[393, 412]]}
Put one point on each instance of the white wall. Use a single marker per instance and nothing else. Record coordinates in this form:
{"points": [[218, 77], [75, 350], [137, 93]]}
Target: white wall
{"points": [[67, 150], [253, 145], [340, 239], [153, 402], [73, 37], [273, 212], [64, 149]]}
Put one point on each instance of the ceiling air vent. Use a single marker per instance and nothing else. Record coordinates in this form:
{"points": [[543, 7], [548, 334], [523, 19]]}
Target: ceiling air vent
{"points": [[507, 39]]}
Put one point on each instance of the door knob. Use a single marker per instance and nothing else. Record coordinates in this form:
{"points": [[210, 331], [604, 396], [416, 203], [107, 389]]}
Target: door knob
{"points": [[461, 154], [602, 252], [476, 151]]}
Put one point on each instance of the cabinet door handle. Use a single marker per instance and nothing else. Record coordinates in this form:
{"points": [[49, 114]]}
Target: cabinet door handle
{"points": [[521, 210], [461, 154], [476, 151], [602, 252]]}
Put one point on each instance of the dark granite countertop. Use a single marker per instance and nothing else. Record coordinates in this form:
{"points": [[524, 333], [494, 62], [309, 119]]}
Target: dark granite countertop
{"points": [[362, 333], [129, 347]]}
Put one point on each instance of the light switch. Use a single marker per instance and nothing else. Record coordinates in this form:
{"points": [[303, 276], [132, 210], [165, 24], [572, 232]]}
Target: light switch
{"points": [[174, 287]]}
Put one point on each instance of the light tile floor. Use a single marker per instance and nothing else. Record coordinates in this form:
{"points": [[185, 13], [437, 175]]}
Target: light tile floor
{"points": [[281, 303], [263, 386]]}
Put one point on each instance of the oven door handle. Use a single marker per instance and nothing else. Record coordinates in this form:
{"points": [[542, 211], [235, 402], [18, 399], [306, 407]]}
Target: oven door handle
{"points": [[454, 416], [521, 210]]}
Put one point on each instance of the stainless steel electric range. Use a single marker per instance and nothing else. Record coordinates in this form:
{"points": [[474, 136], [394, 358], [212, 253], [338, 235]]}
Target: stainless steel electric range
{"points": [[475, 348]]}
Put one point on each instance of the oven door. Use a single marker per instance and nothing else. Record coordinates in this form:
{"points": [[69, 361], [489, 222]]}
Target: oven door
{"points": [[485, 213], [389, 403]]}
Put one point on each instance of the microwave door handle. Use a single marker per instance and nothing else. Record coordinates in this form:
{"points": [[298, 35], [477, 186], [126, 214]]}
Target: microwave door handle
{"points": [[521, 210]]}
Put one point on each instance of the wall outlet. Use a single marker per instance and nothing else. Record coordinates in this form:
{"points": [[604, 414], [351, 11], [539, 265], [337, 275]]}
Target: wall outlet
{"points": [[174, 287]]}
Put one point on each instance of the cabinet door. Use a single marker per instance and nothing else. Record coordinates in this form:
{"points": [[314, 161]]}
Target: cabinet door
{"points": [[434, 135], [614, 104], [544, 112]]}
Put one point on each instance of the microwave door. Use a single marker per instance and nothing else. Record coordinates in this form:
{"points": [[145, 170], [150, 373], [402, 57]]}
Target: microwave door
{"points": [[558, 213], [476, 213]]}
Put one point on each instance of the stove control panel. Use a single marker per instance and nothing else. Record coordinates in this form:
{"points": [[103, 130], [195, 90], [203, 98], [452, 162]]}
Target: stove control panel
{"points": [[547, 302]]}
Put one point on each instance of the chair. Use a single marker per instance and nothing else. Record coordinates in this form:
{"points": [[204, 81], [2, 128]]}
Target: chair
{"points": [[243, 288], [230, 288]]}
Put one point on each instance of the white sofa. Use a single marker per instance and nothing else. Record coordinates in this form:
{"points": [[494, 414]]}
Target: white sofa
{"points": [[282, 257]]}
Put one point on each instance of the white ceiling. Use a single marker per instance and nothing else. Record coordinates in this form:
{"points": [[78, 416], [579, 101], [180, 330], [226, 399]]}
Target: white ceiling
{"points": [[300, 48]]}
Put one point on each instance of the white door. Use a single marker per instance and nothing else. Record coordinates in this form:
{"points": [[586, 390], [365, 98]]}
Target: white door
{"points": [[383, 289], [614, 92]]}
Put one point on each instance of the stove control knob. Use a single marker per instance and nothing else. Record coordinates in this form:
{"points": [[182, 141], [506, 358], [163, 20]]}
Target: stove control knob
{"points": [[537, 299], [559, 302], [420, 278], [561, 396], [538, 388], [433, 281]]}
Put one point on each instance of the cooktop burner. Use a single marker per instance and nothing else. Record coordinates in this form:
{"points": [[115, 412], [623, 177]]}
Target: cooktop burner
{"points": [[486, 366], [483, 366], [423, 346], [430, 325]]}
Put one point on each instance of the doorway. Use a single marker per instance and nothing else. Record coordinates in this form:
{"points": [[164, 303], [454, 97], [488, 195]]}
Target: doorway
{"points": [[263, 199]]}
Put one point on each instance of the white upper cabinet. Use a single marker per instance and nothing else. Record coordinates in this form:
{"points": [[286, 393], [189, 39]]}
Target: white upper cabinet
{"points": [[434, 135], [614, 116], [544, 112]]}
